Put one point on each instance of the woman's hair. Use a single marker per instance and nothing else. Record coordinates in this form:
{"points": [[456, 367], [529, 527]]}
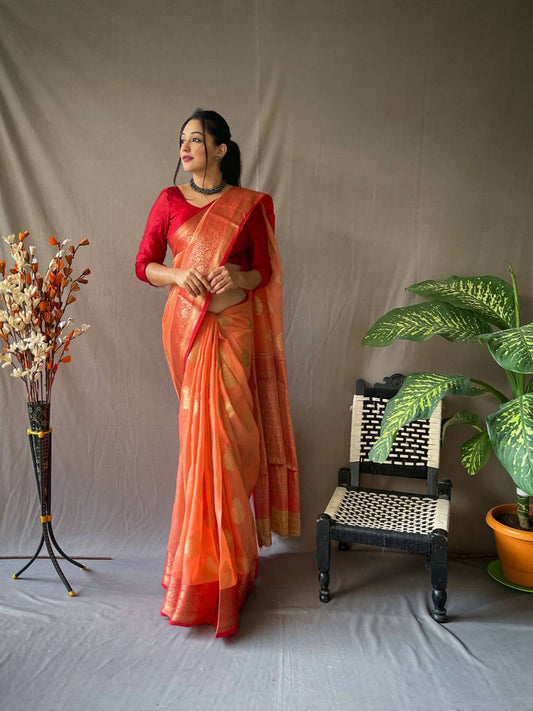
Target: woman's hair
{"points": [[217, 126]]}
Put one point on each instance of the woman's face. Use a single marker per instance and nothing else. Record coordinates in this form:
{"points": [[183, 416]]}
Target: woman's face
{"points": [[193, 143]]}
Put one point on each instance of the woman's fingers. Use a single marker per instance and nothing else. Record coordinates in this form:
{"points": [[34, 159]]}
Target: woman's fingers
{"points": [[220, 280], [204, 283], [194, 282], [217, 282]]}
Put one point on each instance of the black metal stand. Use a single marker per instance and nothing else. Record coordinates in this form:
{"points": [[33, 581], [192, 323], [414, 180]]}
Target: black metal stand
{"points": [[40, 435]]}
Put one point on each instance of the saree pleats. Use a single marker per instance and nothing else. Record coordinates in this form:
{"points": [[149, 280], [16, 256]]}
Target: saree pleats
{"points": [[212, 552]]}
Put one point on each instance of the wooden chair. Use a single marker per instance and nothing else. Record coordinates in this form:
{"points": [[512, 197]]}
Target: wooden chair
{"points": [[390, 519]]}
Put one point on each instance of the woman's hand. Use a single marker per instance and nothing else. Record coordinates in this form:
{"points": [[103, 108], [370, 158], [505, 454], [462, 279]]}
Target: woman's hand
{"points": [[222, 279], [193, 281]]}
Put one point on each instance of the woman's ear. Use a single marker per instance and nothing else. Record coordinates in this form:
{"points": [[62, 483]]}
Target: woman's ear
{"points": [[221, 151]]}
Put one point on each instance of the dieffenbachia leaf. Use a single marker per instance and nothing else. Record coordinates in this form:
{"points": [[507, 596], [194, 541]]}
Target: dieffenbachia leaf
{"points": [[422, 321], [475, 452], [512, 349], [416, 400], [511, 433], [461, 417], [490, 297]]}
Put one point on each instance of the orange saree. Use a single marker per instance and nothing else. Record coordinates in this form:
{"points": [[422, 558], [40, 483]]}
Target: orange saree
{"points": [[234, 425]]}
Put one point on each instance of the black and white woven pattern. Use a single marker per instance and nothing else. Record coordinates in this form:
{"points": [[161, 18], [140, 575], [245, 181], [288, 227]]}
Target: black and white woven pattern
{"points": [[391, 512], [414, 444]]}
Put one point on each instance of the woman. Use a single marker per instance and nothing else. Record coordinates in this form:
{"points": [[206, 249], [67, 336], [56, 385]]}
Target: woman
{"points": [[222, 335]]}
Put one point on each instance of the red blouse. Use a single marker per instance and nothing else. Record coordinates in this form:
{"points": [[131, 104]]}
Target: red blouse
{"points": [[171, 210]]}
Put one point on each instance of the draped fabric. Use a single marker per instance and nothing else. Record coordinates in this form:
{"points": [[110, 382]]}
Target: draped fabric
{"points": [[235, 426]]}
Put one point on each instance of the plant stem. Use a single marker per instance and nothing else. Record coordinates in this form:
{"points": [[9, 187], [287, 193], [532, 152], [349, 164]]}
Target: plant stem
{"points": [[522, 509], [520, 383], [512, 382], [497, 393], [516, 298]]}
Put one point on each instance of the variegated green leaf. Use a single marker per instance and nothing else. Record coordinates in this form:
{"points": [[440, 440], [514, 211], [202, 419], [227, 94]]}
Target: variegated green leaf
{"points": [[491, 298], [422, 321], [475, 452], [416, 400], [511, 433], [461, 417], [512, 349]]}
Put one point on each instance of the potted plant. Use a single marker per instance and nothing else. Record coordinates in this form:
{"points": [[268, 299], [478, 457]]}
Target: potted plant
{"points": [[486, 310]]}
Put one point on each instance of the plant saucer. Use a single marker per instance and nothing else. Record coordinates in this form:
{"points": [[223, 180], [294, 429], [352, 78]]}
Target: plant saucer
{"points": [[494, 569]]}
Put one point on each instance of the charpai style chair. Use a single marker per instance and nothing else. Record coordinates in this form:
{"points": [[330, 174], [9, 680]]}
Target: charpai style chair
{"points": [[390, 519]]}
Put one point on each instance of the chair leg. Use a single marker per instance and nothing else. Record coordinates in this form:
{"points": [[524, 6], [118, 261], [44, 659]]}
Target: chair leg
{"points": [[323, 555], [439, 574]]}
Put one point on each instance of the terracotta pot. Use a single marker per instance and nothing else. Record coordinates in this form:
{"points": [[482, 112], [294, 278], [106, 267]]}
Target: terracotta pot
{"points": [[515, 547]]}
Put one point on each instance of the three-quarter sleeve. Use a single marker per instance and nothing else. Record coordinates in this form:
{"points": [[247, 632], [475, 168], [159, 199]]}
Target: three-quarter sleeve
{"points": [[153, 246], [257, 249]]}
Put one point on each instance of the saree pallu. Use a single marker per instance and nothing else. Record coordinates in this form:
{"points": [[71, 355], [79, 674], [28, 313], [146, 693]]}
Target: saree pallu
{"points": [[235, 426]]}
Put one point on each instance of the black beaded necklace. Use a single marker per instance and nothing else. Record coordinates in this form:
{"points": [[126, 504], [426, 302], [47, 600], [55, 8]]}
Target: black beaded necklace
{"points": [[207, 191]]}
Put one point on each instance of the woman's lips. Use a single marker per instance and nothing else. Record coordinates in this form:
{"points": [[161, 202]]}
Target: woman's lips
{"points": [[186, 159]]}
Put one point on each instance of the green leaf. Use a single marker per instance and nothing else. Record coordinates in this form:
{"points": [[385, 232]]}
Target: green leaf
{"points": [[416, 400], [422, 321], [461, 417], [475, 452], [511, 433], [490, 297], [512, 349]]}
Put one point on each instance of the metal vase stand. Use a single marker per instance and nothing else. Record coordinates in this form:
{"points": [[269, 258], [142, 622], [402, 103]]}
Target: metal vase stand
{"points": [[40, 435]]}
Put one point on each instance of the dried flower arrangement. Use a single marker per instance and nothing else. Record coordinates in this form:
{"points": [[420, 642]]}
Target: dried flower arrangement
{"points": [[36, 335]]}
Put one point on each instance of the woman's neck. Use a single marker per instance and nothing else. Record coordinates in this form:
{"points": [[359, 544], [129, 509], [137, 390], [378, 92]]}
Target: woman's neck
{"points": [[210, 180]]}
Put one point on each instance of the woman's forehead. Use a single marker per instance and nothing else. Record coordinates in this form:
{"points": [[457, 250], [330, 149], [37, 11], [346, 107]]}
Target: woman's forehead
{"points": [[192, 126]]}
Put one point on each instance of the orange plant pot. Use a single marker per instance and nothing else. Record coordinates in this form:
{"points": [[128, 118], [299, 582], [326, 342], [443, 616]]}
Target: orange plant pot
{"points": [[515, 547]]}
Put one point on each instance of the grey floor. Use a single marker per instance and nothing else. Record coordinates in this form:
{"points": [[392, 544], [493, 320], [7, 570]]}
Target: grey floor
{"points": [[374, 647]]}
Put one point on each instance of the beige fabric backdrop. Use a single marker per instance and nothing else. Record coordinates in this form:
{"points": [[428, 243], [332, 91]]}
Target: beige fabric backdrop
{"points": [[395, 138]]}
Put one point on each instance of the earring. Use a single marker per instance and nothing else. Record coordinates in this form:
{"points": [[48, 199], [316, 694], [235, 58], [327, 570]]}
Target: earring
{"points": [[217, 158]]}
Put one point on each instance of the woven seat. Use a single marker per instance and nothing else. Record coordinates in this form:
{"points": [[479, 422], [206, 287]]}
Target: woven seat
{"points": [[388, 511], [392, 519]]}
